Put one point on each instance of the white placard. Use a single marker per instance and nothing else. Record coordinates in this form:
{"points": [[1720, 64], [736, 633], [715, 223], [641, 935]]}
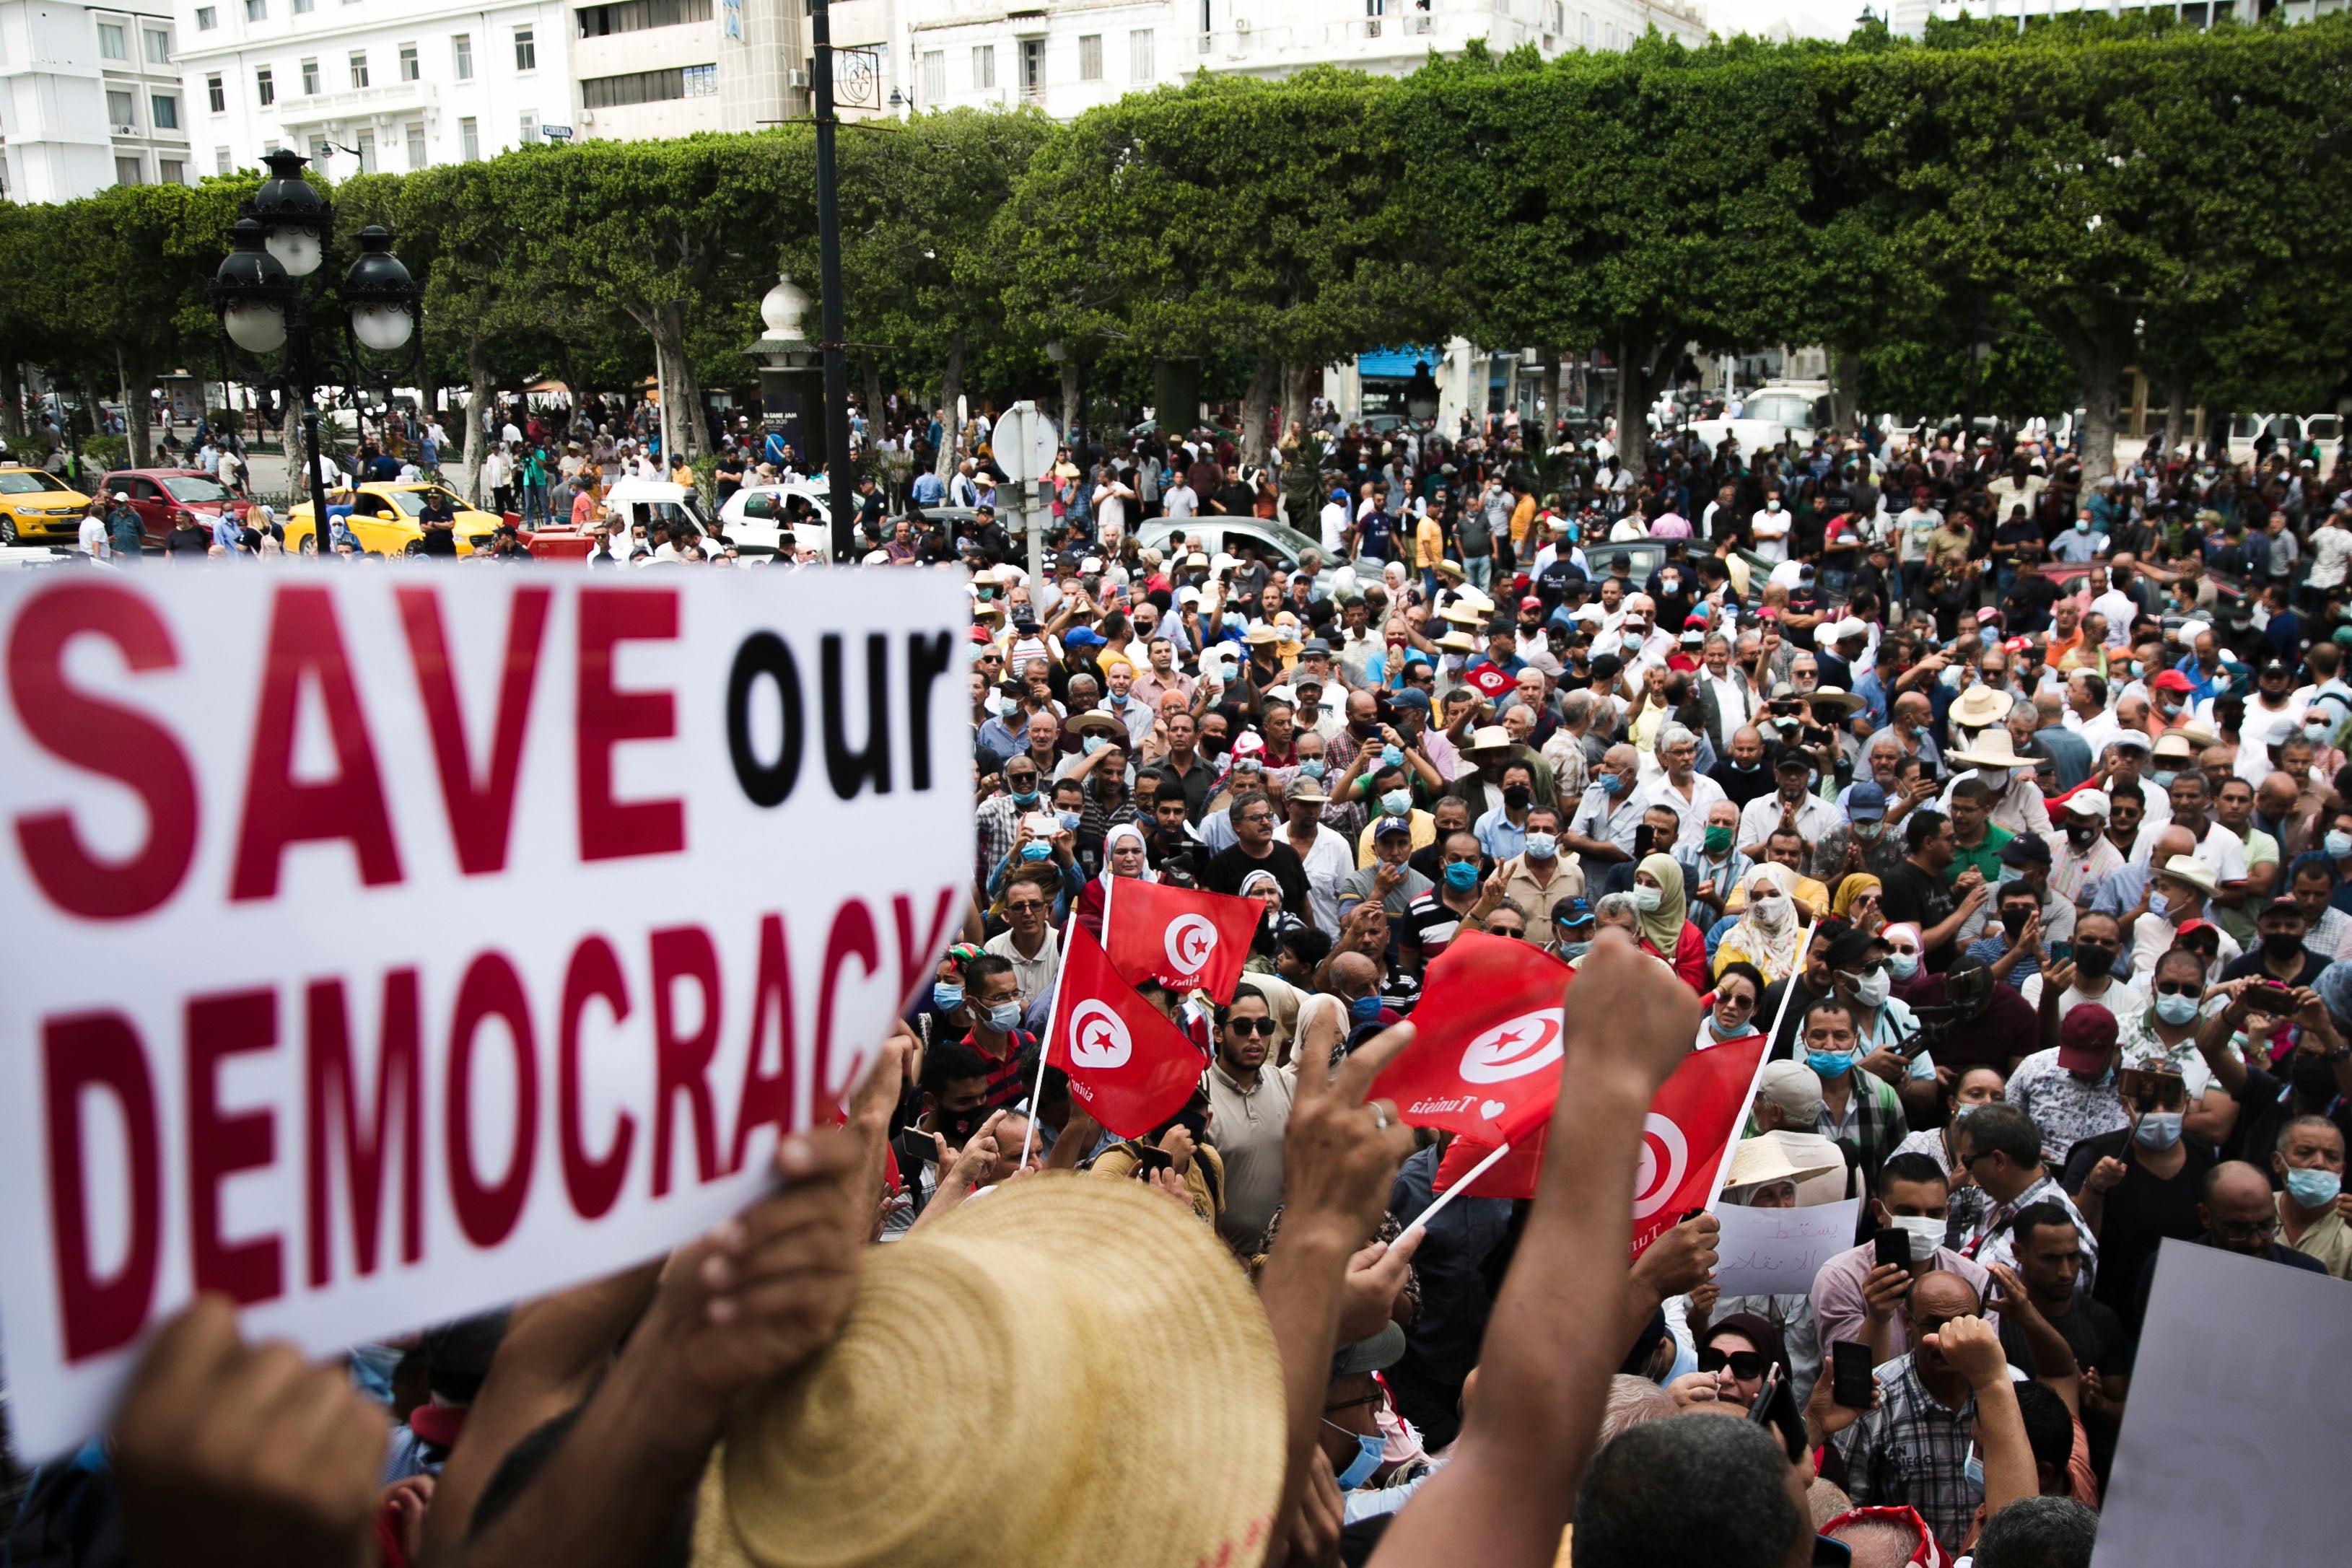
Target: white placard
{"points": [[2240, 1419], [389, 942], [1776, 1251]]}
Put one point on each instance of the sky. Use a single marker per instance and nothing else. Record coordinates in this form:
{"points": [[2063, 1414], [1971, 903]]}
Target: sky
{"points": [[1805, 18]]}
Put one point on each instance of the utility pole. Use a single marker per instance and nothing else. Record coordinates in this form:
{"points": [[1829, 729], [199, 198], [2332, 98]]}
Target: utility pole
{"points": [[828, 261]]}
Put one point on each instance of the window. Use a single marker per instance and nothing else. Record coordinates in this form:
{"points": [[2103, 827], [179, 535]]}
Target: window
{"points": [[461, 56], [367, 151], [531, 125], [126, 172], [263, 87], [935, 76], [648, 86], [702, 81], [163, 114], [310, 79], [470, 140], [526, 50], [217, 93], [304, 8], [1584, 25], [634, 16], [984, 67], [220, 160], [358, 68], [172, 172], [110, 43], [207, 18], [1090, 57], [256, 10], [1032, 66], [409, 70], [1139, 64], [417, 144], [119, 111]]}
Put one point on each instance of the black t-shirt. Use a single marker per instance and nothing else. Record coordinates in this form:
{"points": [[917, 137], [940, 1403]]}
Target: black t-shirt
{"points": [[2007, 1029], [2263, 1108], [2091, 1329], [1229, 868], [1923, 897], [2141, 1211], [1741, 788], [2030, 599], [2250, 965], [439, 542]]}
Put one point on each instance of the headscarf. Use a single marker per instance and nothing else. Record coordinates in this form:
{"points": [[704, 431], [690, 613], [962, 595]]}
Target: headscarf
{"points": [[1852, 888], [1757, 1332], [1662, 927], [1774, 953], [1277, 923], [1111, 838], [2335, 989]]}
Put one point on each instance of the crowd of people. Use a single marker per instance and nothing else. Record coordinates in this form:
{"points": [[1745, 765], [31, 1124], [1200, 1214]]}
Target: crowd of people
{"points": [[2028, 843]]}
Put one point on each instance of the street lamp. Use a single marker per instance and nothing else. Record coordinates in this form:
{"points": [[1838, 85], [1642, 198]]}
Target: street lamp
{"points": [[265, 308]]}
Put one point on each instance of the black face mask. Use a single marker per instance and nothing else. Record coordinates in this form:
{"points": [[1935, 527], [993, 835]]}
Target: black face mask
{"points": [[2313, 1079], [1518, 796], [2281, 946], [2082, 838], [2093, 960], [2013, 921]]}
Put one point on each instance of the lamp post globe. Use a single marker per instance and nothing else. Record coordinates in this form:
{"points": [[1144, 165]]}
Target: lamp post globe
{"points": [[380, 294], [293, 214], [251, 289]]}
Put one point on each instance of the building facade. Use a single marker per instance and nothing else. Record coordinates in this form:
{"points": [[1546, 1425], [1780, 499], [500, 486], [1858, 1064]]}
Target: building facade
{"points": [[1910, 17], [91, 96]]}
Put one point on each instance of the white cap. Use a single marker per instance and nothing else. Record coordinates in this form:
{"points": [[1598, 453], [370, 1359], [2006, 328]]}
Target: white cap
{"points": [[2088, 803]]}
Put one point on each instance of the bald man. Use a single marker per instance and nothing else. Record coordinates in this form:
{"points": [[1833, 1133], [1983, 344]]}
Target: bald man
{"points": [[2235, 1206], [1914, 1448]]}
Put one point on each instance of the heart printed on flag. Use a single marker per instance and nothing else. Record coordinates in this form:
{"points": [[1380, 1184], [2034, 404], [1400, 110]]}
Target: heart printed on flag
{"points": [[1487, 1057], [1491, 1109]]}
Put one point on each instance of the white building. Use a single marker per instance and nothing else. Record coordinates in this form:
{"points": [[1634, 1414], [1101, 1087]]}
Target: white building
{"points": [[91, 96], [1910, 17]]}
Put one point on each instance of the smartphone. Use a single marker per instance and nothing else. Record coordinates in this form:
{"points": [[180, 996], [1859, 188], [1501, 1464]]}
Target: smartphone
{"points": [[2061, 952], [1776, 1409], [1151, 1161], [916, 1144], [1042, 824], [1851, 1374], [1894, 1250]]}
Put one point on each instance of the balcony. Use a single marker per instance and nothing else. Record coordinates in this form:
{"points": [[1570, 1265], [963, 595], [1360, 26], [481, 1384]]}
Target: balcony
{"points": [[391, 100]]}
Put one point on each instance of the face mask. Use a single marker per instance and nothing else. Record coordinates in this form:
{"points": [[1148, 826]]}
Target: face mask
{"points": [[1392, 756], [1973, 1467], [2315, 733], [1716, 839], [2175, 1010], [1035, 851], [1518, 796], [1364, 1009], [1771, 506], [2339, 845], [1962, 1112], [2158, 1130], [1614, 783], [1868, 832], [1771, 911], [1360, 1469], [1872, 988], [2313, 1188], [1902, 966], [1003, 1016], [1543, 846], [2082, 838], [945, 997], [1926, 1232], [2312, 1079], [2013, 921], [2158, 903], [1025, 797], [1647, 899], [2163, 779], [1312, 767], [1740, 766], [1461, 876], [1003, 706], [1830, 1064], [1093, 744], [1574, 950], [2081, 525], [1396, 802], [2281, 945]]}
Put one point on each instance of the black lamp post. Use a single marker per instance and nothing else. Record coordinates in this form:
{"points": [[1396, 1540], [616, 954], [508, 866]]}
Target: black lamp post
{"points": [[265, 308]]}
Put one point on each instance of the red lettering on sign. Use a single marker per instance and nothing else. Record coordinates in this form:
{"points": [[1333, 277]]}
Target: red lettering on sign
{"points": [[604, 717], [305, 640], [682, 1062], [113, 741], [101, 1051], [481, 813], [914, 968], [332, 1100], [852, 936], [219, 1146], [592, 1184], [767, 1097], [487, 1212]]}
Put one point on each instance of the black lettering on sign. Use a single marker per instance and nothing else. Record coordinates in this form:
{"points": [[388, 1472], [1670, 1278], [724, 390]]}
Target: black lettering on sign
{"points": [[849, 770], [928, 658], [764, 654]]}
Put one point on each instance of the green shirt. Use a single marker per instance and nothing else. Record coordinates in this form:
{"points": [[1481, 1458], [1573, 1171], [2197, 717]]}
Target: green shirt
{"points": [[1985, 857]]}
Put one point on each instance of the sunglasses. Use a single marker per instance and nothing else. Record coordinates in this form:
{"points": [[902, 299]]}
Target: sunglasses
{"points": [[1265, 1026], [2180, 987], [1747, 1365]]}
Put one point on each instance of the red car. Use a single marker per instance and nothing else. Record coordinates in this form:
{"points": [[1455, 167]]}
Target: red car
{"points": [[160, 495]]}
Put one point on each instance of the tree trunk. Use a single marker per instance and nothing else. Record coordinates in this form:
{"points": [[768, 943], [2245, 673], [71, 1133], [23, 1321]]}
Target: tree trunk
{"points": [[873, 410], [1296, 381], [134, 410], [1846, 390], [2100, 361], [12, 399], [1634, 380], [477, 398], [1264, 382], [951, 389], [2176, 413], [666, 325]]}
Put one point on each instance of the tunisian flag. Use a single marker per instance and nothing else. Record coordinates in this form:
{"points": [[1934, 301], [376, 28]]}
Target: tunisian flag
{"points": [[1179, 936], [1693, 1122], [1485, 1062], [1513, 1175], [1129, 1068]]}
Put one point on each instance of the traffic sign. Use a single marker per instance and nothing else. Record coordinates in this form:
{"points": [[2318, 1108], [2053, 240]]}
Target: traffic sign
{"points": [[1024, 443]]}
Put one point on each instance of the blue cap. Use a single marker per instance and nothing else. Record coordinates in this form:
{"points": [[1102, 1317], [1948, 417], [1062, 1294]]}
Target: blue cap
{"points": [[1866, 803], [1388, 825], [1340, 496], [1081, 637]]}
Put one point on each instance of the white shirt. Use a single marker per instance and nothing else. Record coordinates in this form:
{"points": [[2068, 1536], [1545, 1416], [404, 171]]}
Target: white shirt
{"points": [[1815, 817], [2152, 936], [2331, 554], [1334, 528], [2120, 608], [1771, 531], [93, 538], [1692, 812], [2121, 998], [1329, 861]]}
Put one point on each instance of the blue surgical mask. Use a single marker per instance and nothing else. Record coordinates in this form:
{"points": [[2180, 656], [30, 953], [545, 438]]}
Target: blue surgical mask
{"points": [[2175, 1010], [1573, 951], [945, 997], [1461, 876], [1647, 899], [1973, 1467], [2339, 845], [1069, 820], [1614, 783], [1364, 1009], [1962, 1112], [1025, 797], [1392, 756], [1035, 850], [1396, 803], [1829, 1064], [1312, 767], [1092, 744], [1004, 1017], [2158, 1130], [2313, 1188], [1543, 846], [1368, 1459], [1902, 964], [2163, 779]]}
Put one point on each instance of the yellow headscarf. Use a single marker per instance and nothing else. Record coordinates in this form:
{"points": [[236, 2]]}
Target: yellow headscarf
{"points": [[1852, 888]]}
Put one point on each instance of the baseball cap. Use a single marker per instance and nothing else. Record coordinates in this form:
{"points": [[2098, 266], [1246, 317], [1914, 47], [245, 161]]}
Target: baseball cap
{"points": [[1082, 637], [1866, 802], [2171, 681], [1794, 761], [1571, 911], [1851, 947], [2086, 1038], [1795, 1088], [1387, 825], [2025, 849], [2088, 803]]}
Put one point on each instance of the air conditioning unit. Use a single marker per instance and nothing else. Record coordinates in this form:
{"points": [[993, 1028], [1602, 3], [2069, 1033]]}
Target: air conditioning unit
{"points": [[1241, 24], [587, 117], [126, 131], [796, 78]]}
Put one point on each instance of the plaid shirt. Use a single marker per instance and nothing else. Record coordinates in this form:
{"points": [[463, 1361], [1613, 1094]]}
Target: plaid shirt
{"points": [[1913, 1450], [997, 824], [1873, 1120], [1995, 1243]]}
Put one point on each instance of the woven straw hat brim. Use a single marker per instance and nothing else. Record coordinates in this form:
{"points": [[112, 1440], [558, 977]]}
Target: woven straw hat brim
{"points": [[1067, 1373]]}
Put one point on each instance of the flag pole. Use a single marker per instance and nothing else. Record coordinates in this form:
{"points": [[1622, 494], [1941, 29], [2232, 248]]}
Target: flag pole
{"points": [[1421, 1220], [1053, 1022], [1723, 1164]]}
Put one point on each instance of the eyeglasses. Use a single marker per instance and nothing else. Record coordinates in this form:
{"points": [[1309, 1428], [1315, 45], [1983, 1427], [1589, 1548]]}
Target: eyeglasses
{"points": [[1265, 1026], [2251, 1231], [1735, 1001], [1747, 1365], [1026, 906]]}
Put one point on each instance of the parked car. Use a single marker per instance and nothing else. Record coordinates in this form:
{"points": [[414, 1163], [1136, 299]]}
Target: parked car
{"points": [[753, 518], [383, 517], [638, 500], [1769, 415], [161, 495], [35, 507], [1278, 544]]}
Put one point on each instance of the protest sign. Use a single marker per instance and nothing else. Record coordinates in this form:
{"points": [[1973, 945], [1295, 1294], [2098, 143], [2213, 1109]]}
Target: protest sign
{"points": [[2234, 1437], [394, 942], [1776, 1251]]}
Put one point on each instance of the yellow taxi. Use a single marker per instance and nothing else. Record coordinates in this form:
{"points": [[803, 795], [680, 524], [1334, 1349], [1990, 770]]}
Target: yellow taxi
{"points": [[36, 508], [383, 518]]}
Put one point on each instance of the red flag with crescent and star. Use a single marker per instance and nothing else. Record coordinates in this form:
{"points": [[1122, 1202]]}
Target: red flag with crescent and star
{"points": [[1179, 936], [1129, 1068], [1693, 1119], [1485, 1062]]}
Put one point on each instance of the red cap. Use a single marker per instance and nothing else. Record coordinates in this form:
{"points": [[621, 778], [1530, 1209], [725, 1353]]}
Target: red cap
{"points": [[981, 634], [2086, 1038], [2171, 681], [1531, 602]]}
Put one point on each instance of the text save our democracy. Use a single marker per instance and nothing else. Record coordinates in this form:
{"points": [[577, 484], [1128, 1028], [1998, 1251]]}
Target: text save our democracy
{"points": [[255, 812]]}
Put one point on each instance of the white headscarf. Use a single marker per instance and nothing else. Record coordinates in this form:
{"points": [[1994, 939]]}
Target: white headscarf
{"points": [[1773, 948], [1111, 838]]}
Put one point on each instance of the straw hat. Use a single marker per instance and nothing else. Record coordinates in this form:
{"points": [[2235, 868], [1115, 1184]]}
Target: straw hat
{"points": [[1476, 600], [2191, 870], [1094, 721], [1759, 1161], [1992, 750], [1846, 701], [1067, 1371], [1458, 642], [1979, 706], [1462, 615], [1491, 737]]}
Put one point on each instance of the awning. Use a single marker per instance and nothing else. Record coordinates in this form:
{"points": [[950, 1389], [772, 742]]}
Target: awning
{"points": [[1397, 362]]}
